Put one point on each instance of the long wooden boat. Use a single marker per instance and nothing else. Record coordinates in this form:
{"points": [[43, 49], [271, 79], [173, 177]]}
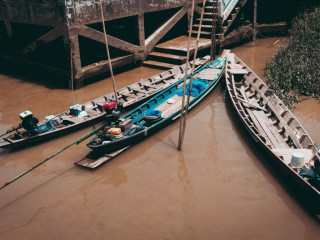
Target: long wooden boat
{"points": [[92, 111], [157, 112], [275, 128]]}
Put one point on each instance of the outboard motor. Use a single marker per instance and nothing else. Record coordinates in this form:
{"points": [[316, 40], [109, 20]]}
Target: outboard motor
{"points": [[112, 113], [29, 122]]}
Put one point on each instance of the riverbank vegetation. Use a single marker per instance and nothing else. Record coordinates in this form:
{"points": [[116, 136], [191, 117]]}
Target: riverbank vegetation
{"points": [[295, 68]]}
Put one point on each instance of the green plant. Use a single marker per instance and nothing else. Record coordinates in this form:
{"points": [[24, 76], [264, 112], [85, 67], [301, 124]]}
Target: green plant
{"points": [[295, 68]]}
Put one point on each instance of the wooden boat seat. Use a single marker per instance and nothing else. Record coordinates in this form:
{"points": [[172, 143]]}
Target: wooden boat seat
{"points": [[92, 112], [209, 74], [286, 154], [126, 94], [72, 119], [263, 124], [168, 108]]}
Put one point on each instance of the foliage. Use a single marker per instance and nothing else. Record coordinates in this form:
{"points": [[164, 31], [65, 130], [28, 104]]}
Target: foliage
{"points": [[295, 69]]}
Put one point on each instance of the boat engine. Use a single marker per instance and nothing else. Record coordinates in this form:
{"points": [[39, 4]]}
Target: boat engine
{"points": [[29, 122], [112, 112]]}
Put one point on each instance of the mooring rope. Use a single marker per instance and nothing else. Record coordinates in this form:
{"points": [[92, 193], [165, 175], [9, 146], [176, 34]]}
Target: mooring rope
{"points": [[108, 52]]}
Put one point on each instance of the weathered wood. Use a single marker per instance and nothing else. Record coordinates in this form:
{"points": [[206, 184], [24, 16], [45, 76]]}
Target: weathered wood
{"points": [[113, 41], [50, 36], [141, 55], [286, 154], [272, 27], [237, 35], [271, 130], [208, 74], [255, 6], [94, 160], [282, 121], [160, 32]]}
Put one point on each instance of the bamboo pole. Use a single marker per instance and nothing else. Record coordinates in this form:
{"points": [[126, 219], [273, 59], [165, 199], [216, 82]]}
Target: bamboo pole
{"points": [[77, 141], [213, 31], [185, 76], [108, 52], [183, 115]]}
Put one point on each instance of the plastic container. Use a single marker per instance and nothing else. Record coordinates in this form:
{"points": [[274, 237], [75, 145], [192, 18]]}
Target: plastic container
{"points": [[115, 131], [297, 160]]}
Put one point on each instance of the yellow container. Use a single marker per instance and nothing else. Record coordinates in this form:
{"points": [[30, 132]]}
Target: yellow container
{"points": [[115, 131]]}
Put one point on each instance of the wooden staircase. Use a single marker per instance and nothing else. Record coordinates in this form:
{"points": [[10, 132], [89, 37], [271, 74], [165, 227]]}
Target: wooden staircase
{"points": [[226, 24], [208, 22], [166, 57]]}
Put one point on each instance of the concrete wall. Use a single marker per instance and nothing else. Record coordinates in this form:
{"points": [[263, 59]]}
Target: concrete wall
{"points": [[38, 12], [56, 12], [88, 11]]}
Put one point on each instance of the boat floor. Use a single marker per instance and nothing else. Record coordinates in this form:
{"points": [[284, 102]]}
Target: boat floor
{"points": [[269, 132], [169, 108]]}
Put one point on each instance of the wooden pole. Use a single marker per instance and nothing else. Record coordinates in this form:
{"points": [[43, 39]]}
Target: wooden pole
{"points": [[108, 52], [185, 77], [213, 31], [254, 20], [183, 116]]}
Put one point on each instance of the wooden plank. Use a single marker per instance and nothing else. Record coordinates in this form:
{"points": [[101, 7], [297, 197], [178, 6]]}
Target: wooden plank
{"points": [[256, 122], [238, 71], [278, 115], [209, 74], [267, 127], [165, 105], [252, 105], [127, 94], [286, 154], [94, 160]]}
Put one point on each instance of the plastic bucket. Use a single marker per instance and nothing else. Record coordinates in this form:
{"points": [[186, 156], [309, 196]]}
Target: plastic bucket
{"points": [[297, 160]]}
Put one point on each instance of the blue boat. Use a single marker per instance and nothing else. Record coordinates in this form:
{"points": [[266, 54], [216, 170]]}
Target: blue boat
{"points": [[159, 111]]}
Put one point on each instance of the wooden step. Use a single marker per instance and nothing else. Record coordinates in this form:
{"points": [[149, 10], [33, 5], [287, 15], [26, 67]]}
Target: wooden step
{"points": [[156, 64], [202, 27], [205, 20], [207, 14], [170, 51], [201, 33], [166, 57], [211, 7]]}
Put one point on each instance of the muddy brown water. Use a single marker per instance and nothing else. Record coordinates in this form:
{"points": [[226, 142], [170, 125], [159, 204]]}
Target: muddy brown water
{"points": [[218, 187]]}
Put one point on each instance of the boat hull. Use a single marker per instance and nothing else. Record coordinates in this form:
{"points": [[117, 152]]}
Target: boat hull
{"points": [[129, 96], [306, 191], [112, 146]]}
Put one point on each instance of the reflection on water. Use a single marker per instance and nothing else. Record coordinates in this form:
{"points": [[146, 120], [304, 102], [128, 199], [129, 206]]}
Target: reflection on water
{"points": [[219, 187]]}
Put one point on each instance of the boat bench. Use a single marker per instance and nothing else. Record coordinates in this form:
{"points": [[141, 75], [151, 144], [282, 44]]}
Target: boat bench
{"points": [[286, 154]]}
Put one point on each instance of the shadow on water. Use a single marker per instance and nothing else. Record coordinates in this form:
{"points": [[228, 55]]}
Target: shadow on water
{"points": [[266, 164]]}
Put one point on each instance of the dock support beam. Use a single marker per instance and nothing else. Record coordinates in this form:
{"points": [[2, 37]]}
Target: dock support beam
{"points": [[254, 20]]}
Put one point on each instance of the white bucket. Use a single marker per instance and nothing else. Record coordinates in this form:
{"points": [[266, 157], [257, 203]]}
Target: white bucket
{"points": [[297, 160]]}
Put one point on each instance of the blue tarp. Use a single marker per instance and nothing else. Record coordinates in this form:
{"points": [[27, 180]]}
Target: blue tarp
{"points": [[196, 88]]}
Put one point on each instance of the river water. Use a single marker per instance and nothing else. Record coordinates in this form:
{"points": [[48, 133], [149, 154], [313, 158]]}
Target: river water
{"points": [[219, 187]]}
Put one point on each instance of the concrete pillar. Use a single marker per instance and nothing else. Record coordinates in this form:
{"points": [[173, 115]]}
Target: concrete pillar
{"points": [[142, 41], [71, 43]]}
